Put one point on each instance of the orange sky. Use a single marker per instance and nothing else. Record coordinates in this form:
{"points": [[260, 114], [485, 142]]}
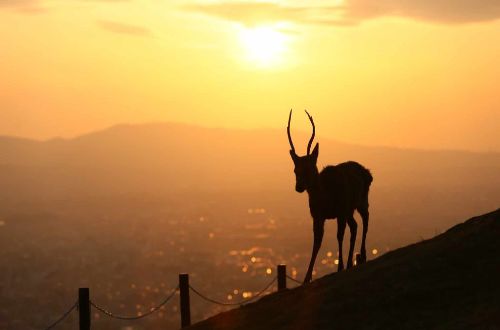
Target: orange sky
{"points": [[410, 74]]}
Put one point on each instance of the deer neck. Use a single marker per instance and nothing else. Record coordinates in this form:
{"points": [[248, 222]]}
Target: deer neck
{"points": [[315, 186]]}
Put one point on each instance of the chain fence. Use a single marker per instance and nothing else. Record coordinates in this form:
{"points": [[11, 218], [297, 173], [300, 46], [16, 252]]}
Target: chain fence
{"points": [[293, 280], [62, 317], [135, 317], [166, 300], [240, 303]]}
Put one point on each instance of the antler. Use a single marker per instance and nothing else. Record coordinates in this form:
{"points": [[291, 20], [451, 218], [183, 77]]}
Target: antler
{"points": [[313, 133], [288, 131]]}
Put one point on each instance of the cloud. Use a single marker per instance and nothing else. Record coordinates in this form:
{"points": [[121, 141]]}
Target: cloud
{"points": [[17, 3], [438, 11], [251, 13], [352, 12], [106, 0], [38, 6], [23, 6], [124, 28]]}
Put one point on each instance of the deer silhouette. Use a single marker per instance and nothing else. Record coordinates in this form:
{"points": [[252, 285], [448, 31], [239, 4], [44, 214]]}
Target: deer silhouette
{"points": [[335, 192]]}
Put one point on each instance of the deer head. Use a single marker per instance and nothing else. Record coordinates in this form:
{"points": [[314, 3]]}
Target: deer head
{"points": [[305, 169]]}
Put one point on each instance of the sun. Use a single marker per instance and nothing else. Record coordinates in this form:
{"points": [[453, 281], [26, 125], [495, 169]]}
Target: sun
{"points": [[264, 46]]}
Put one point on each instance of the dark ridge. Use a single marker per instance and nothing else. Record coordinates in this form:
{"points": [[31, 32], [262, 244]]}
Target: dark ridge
{"points": [[448, 282]]}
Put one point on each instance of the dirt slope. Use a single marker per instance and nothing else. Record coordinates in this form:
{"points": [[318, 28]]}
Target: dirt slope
{"points": [[448, 282]]}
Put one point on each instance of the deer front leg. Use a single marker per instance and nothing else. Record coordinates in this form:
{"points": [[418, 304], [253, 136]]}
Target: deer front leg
{"points": [[318, 229], [341, 222], [365, 216], [353, 226]]}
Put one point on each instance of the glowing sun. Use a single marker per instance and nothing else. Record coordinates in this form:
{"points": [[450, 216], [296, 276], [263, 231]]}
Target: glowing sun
{"points": [[264, 45]]}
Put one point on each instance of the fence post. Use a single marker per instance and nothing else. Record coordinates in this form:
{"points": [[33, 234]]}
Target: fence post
{"points": [[281, 277], [184, 303], [84, 308]]}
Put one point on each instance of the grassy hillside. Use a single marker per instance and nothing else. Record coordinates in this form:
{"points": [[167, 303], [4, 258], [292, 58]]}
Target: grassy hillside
{"points": [[447, 282]]}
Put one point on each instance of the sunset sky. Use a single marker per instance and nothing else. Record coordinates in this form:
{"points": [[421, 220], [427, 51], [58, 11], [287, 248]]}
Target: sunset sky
{"points": [[404, 73]]}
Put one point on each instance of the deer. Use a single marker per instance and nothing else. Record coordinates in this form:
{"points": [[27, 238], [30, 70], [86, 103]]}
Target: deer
{"points": [[334, 193]]}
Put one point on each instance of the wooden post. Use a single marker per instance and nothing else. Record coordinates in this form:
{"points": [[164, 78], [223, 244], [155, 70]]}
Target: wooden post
{"points": [[281, 277], [84, 308], [184, 300]]}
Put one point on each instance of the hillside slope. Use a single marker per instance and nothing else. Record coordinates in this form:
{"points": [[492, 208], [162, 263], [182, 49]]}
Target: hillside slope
{"points": [[448, 282]]}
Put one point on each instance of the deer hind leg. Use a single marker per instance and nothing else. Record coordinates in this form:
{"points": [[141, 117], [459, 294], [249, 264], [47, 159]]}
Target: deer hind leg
{"points": [[318, 229], [365, 215], [341, 222], [353, 228]]}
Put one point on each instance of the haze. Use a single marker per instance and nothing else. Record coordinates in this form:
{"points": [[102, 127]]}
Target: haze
{"points": [[125, 210], [407, 74]]}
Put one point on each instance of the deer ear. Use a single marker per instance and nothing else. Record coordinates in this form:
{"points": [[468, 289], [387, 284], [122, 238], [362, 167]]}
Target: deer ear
{"points": [[294, 155], [315, 152]]}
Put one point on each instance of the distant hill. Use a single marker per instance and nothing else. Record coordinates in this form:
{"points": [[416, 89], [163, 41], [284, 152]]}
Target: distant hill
{"points": [[415, 193], [447, 282], [164, 157]]}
